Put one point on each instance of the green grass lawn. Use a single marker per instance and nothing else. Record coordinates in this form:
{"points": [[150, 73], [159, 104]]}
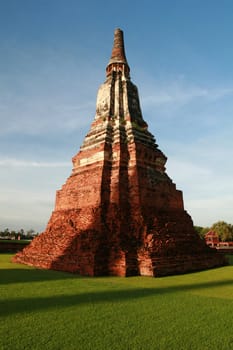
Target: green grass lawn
{"points": [[21, 241], [53, 310]]}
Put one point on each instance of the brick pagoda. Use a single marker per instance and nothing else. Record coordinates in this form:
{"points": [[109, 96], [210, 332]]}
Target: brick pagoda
{"points": [[119, 213]]}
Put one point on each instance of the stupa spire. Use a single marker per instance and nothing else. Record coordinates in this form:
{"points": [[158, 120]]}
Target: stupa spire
{"points": [[118, 61]]}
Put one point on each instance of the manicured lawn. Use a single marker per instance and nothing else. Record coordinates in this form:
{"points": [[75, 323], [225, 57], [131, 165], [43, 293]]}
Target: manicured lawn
{"points": [[43, 310]]}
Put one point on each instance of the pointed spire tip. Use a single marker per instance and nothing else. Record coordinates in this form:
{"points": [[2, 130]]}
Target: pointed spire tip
{"points": [[118, 50]]}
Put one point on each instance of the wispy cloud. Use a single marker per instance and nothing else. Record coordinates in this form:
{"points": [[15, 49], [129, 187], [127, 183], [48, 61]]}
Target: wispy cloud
{"points": [[38, 115], [182, 93], [46, 92], [32, 164]]}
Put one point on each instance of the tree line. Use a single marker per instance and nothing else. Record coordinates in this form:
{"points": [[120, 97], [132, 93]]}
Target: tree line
{"points": [[18, 234], [222, 228]]}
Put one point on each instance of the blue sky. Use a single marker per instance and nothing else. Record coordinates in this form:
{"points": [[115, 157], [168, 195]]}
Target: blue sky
{"points": [[53, 55]]}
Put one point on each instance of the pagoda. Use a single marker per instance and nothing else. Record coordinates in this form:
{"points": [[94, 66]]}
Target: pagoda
{"points": [[119, 213]]}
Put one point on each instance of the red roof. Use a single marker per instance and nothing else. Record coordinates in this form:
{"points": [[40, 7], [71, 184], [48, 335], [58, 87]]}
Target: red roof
{"points": [[211, 234]]}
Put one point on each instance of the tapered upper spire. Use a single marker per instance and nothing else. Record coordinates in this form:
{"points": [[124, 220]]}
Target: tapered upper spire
{"points": [[118, 61], [118, 50]]}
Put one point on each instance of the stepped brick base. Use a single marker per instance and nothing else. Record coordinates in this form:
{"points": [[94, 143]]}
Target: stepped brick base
{"points": [[158, 249]]}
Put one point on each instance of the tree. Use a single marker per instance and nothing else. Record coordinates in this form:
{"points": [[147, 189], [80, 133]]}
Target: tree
{"points": [[204, 231], [201, 230], [224, 230], [30, 232], [6, 232]]}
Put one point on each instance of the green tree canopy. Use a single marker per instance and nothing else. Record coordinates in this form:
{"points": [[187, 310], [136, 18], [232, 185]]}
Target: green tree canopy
{"points": [[224, 230], [201, 230]]}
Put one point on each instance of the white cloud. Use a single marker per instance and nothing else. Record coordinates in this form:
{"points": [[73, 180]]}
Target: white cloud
{"points": [[46, 92], [24, 163], [38, 115], [181, 93]]}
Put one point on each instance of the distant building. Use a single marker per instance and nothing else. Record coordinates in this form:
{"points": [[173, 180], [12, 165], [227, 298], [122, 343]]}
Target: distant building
{"points": [[212, 239]]}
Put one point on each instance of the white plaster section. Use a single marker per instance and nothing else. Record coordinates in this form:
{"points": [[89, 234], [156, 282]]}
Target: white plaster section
{"points": [[125, 97], [103, 101], [116, 97], [96, 157]]}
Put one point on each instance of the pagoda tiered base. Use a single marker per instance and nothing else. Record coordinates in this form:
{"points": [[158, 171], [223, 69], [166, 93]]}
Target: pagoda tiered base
{"points": [[78, 241]]}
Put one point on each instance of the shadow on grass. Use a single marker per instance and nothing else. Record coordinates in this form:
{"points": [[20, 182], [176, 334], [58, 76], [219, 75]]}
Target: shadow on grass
{"points": [[27, 275], [8, 276], [229, 259], [25, 305]]}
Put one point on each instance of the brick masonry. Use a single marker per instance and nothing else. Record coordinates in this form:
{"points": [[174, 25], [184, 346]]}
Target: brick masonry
{"points": [[119, 213]]}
